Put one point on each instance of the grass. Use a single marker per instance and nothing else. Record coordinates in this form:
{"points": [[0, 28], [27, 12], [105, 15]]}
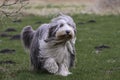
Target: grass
{"points": [[89, 65]]}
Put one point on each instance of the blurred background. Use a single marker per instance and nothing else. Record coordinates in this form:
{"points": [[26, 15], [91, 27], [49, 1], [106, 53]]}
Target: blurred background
{"points": [[48, 7]]}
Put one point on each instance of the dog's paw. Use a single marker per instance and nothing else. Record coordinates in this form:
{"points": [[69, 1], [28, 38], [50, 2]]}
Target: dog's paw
{"points": [[51, 66], [63, 70]]}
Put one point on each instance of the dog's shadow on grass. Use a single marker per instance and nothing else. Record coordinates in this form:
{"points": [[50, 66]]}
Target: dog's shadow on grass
{"points": [[27, 73], [40, 75]]}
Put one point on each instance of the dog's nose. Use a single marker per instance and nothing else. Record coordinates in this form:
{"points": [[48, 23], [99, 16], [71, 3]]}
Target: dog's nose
{"points": [[67, 31]]}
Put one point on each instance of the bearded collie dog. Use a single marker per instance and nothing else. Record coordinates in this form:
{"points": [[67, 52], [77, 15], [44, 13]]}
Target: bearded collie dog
{"points": [[52, 45]]}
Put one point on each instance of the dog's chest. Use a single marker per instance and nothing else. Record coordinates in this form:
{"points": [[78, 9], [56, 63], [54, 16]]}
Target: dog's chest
{"points": [[59, 53]]}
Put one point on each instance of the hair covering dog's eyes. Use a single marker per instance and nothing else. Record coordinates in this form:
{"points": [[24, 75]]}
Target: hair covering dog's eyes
{"points": [[61, 25]]}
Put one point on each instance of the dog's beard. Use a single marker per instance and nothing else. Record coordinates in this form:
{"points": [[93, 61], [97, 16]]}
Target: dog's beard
{"points": [[61, 39], [64, 37]]}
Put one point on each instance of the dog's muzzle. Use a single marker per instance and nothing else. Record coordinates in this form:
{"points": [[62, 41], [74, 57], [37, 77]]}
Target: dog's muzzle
{"points": [[67, 35]]}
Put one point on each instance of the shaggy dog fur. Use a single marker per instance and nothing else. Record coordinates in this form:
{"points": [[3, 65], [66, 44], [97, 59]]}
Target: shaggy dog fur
{"points": [[51, 46]]}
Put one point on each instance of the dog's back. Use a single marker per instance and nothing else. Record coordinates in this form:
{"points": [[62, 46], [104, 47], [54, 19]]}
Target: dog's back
{"points": [[27, 36]]}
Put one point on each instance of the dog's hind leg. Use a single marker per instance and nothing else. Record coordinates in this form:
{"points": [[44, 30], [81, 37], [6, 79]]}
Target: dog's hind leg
{"points": [[51, 66]]}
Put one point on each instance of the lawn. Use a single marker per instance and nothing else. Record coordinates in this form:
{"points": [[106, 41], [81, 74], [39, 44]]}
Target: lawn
{"points": [[92, 31]]}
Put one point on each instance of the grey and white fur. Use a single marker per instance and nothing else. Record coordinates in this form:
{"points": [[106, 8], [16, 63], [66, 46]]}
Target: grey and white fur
{"points": [[51, 46]]}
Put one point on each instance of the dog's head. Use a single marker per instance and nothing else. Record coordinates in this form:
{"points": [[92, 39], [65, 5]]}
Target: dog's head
{"points": [[62, 28]]}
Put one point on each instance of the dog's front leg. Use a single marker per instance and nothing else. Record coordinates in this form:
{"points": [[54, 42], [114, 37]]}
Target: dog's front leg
{"points": [[63, 70], [51, 66]]}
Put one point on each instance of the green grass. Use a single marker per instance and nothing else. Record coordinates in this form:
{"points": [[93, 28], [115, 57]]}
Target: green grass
{"points": [[89, 65]]}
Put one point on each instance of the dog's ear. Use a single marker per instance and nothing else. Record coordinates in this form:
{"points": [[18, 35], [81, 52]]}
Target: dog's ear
{"points": [[75, 31], [72, 52], [52, 31]]}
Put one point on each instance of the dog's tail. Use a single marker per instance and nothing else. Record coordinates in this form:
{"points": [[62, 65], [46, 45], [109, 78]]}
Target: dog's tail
{"points": [[27, 36]]}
